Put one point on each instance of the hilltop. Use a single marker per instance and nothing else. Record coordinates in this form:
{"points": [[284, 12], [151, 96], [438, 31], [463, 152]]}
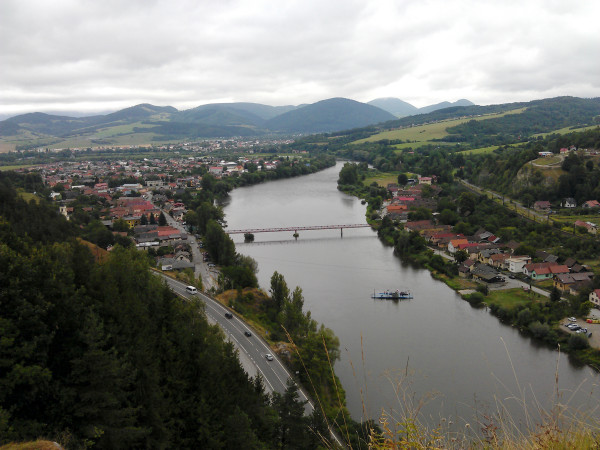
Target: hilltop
{"points": [[400, 108], [144, 124]]}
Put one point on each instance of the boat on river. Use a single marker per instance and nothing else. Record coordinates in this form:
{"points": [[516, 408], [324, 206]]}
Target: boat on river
{"points": [[393, 295]]}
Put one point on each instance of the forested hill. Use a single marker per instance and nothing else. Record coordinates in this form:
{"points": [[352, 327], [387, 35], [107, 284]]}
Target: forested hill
{"points": [[328, 115], [105, 355]]}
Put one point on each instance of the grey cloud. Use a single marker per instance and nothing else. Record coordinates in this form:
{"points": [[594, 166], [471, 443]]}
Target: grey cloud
{"points": [[186, 52]]}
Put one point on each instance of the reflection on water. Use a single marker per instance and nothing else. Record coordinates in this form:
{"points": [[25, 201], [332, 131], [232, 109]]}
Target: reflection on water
{"points": [[435, 343]]}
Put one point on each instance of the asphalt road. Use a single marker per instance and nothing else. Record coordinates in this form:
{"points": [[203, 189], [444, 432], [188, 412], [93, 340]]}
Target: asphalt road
{"points": [[252, 350]]}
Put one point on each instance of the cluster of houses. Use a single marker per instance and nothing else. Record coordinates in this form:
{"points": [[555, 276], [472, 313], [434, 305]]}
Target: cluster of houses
{"points": [[545, 206], [411, 196], [487, 256], [567, 150]]}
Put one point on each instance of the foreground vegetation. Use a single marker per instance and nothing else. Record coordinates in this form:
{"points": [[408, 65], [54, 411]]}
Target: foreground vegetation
{"points": [[105, 355]]}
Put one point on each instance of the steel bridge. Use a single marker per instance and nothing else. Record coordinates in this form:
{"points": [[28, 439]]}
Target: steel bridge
{"points": [[296, 229]]}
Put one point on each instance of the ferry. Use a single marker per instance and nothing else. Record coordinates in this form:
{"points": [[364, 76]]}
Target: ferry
{"points": [[393, 295]]}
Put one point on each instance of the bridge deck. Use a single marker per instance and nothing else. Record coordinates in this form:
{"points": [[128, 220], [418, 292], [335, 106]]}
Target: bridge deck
{"points": [[316, 227]]}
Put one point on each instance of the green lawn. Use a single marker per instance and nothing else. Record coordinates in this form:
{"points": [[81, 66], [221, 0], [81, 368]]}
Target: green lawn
{"points": [[547, 161], [27, 196], [566, 130], [511, 298], [382, 179], [479, 151], [424, 133], [570, 219], [15, 167]]}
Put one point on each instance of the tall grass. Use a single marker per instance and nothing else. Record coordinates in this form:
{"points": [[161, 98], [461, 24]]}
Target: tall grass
{"points": [[562, 425]]}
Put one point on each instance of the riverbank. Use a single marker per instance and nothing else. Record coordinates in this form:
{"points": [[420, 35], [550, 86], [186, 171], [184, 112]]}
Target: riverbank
{"points": [[533, 312]]}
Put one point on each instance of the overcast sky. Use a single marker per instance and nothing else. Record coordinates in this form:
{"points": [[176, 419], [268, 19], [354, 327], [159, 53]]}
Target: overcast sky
{"points": [[103, 55]]}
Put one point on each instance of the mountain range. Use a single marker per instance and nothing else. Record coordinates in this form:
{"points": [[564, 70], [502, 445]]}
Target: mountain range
{"points": [[401, 108], [150, 123]]}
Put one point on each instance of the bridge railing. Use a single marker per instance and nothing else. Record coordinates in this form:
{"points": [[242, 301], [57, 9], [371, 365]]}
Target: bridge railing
{"points": [[302, 228]]}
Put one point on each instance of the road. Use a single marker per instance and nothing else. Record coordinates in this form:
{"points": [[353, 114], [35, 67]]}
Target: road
{"points": [[515, 206], [201, 270], [252, 349]]}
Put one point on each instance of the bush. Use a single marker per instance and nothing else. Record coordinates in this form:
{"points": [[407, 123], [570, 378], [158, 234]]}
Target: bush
{"points": [[475, 299], [539, 330], [483, 288], [578, 342]]}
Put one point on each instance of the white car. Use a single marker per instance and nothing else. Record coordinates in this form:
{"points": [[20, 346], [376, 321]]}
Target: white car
{"points": [[269, 357], [572, 319]]}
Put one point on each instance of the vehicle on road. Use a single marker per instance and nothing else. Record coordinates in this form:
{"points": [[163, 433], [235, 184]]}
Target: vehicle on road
{"points": [[512, 277], [269, 357], [572, 319], [247, 333], [191, 290], [228, 315]]}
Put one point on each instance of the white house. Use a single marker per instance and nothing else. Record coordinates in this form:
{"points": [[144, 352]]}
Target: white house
{"points": [[595, 297], [516, 263]]}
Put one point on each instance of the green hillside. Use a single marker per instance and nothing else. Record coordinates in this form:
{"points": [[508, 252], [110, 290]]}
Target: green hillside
{"points": [[328, 115]]}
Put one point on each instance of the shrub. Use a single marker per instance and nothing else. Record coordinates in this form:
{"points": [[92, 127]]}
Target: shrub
{"points": [[475, 299], [539, 330], [578, 342]]}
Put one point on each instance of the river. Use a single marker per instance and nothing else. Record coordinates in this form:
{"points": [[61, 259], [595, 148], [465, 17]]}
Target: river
{"points": [[435, 352]]}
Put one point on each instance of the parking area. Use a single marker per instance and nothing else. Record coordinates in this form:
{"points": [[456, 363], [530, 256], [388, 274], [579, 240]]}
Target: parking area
{"points": [[593, 328]]}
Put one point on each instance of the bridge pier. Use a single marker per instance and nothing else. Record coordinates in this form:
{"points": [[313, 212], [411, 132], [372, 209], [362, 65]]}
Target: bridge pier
{"points": [[341, 232]]}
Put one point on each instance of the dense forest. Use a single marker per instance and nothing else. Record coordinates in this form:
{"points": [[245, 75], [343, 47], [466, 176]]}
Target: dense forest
{"points": [[100, 353]]}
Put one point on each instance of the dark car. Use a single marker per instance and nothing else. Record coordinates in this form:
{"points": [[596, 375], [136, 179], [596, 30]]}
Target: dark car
{"points": [[247, 333], [228, 315], [512, 277]]}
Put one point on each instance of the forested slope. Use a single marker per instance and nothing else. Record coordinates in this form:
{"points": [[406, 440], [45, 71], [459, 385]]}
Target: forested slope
{"points": [[105, 355]]}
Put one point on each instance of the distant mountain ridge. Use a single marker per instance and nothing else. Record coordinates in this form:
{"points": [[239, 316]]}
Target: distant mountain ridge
{"points": [[147, 123], [400, 108], [210, 120]]}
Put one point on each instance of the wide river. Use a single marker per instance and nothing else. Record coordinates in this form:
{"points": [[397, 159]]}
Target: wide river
{"points": [[434, 352]]}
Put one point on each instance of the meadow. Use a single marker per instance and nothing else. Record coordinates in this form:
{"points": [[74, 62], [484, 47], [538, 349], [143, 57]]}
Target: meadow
{"points": [[425, 133]]}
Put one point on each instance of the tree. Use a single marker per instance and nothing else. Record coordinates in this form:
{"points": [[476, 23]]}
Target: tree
{"points": [[279, 290], [152, 219], [402, 179], [120, 225], [448, 217], [293, 318], [554, 295], [292, 423], [348, 175], [144, 220], [460, 256], [162, 220]]}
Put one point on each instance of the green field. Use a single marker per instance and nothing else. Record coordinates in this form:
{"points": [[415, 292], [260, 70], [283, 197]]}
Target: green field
{"points": [[382, 179], [511, 298], [27, 196], [15, 167], [424, 133], [549, 161], [566, 130], [567, 219], [479, 151]]}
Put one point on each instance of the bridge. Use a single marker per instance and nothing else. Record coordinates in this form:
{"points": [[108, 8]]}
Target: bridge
{"points": [[296, 229]]}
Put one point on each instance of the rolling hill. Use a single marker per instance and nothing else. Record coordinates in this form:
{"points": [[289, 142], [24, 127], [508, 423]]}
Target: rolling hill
{"points": [[334, 114], [395, 106], [145, 123], [400, 108]]}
